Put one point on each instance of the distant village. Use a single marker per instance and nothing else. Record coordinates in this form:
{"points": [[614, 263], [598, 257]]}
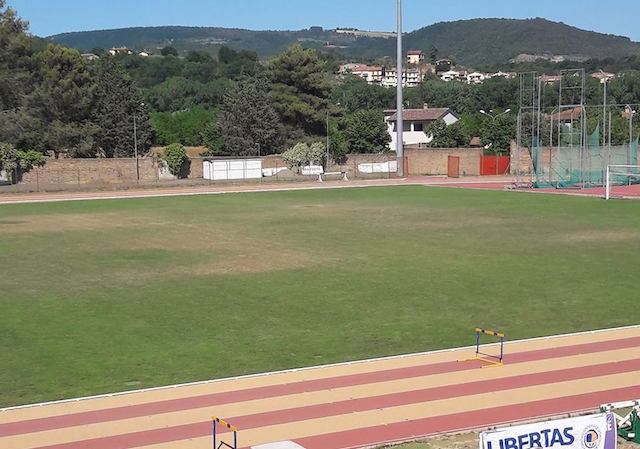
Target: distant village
{"points": [[417, 69]]}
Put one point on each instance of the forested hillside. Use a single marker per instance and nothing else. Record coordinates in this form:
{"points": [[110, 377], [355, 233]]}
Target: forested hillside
{"points": [[481, 42]]}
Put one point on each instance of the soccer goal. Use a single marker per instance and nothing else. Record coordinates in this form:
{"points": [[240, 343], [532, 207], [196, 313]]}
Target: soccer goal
{"points": [[620, 176]]}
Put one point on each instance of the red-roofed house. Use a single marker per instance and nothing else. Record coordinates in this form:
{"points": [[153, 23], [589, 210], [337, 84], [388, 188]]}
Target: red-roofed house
{"points": [[416, 122]]}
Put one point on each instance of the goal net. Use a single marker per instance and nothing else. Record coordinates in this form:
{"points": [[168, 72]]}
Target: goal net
{"points": [[620, 176]]}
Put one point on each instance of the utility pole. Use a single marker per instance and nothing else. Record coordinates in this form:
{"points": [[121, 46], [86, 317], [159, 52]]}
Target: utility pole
{"points": [[604, 109], [328, 144], [400, 101], [135, 144]]}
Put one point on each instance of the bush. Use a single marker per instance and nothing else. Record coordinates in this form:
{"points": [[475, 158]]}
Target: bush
{"points": [[11, 159], [175, 156], [303, 154], [30, 159]]}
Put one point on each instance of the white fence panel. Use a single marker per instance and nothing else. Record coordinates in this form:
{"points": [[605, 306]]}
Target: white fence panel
{"points": [[232, 169]]}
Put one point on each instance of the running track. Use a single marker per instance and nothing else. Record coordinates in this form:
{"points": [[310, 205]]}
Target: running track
{"points": [[349, 405]]}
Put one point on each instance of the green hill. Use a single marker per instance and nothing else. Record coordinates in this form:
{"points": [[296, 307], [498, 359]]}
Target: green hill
{"points": [[496, 41], [477, 42]]}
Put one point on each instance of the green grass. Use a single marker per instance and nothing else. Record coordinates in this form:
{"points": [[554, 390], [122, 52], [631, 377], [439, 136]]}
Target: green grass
{"points": [[111, 295]]}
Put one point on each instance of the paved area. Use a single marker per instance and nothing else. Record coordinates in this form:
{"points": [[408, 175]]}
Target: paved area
{"points": [[349, 405]]}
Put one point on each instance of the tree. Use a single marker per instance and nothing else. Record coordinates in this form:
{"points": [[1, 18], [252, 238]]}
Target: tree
{"points": [[212, 140], [175, 157], [300, 89], [184, 126], [304, 154], [366, 132], [12, 160], [497, 133], [248, 122], [15, 58], [447, 136], [60, 104], [169, 51], [118, 100]]}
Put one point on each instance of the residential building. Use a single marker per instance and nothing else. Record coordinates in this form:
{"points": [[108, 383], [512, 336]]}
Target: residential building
{"points": [[415, 57], [507, 75], [90, 57], [145, 54], [603, 77], [550, 79], [410, 78], [476, 78], [416, 122], [450, 75], [120, 51], [372, 74]]}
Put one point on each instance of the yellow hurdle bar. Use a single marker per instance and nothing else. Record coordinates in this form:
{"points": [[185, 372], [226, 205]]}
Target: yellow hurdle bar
{"points": [[224, 423], [489, 332]]}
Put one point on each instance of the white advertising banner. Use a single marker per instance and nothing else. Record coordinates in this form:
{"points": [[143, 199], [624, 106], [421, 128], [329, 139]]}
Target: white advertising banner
{"points": [[584, 432]]}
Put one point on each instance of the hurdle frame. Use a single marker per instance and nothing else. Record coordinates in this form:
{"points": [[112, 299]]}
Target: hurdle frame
{"points": [[218, 421], [481, 355]]}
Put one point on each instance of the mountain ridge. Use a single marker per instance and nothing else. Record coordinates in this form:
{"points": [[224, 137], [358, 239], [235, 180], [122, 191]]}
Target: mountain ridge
{"points": [[480, 42]]}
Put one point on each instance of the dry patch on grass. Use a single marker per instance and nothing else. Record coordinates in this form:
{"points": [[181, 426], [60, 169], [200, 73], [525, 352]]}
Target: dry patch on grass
{"points": [[42, 224], [597, 236]]}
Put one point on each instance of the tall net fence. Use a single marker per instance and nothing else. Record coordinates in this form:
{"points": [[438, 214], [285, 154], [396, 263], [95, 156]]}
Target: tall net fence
{"points": [[573, 148], [567, 166]]}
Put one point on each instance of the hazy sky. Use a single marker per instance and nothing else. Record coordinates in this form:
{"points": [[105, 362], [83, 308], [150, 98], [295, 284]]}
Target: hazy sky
{"points": [[56, 16]]}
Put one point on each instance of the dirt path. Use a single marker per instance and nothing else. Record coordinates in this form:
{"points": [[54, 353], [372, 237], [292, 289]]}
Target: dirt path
{"points": [[349, 405]]}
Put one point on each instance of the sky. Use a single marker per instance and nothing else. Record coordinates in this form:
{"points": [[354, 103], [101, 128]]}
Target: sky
{"points": [[49, 17]]}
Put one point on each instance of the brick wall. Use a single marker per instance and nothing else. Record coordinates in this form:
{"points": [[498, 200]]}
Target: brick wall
{"points": [[434, 161]]}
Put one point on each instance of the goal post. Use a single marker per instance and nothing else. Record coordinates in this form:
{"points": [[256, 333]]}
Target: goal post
{"points": [[620, 175]]}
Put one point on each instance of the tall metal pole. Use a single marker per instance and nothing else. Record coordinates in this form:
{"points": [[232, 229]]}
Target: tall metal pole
{"points": [[135, 145], [400, 100], [328, 144]]}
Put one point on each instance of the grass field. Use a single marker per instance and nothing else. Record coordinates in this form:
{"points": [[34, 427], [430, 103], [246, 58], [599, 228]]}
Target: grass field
{"points": [[112, 295]]}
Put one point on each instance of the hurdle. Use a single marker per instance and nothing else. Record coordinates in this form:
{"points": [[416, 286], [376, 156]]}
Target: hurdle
{"points": [[495, 360], [628, 423], [221, 422]]}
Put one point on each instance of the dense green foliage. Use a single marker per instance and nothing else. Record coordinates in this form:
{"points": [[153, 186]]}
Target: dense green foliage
{"points": [[12, 160], [304, 154], [188, 127], [249, 125], [175, 157], [444, 136], [137, 293], [300, 90], [118, 109], [366, 132]]}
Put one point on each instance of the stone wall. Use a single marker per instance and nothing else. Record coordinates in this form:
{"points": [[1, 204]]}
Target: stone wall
{"points": [[69, 174], [434, 161]]}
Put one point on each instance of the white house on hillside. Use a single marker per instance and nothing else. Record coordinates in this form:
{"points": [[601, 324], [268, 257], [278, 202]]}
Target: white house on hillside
{"points": [[476, 78], [450, 75], [416, 122]]}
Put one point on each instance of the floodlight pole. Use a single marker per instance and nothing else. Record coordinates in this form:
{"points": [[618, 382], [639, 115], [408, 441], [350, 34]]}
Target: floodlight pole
{"points": [[400, 101], [135, 145]]}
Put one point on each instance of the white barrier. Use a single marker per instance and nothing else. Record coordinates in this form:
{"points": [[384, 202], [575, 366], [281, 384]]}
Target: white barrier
{"points": [[232, 169], [583, 432]]}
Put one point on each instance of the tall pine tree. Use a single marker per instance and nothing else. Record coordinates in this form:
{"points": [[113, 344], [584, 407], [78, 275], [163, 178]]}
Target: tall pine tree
{"points": [[248, 122], [59, 107], [15, 68], [118, 101]]}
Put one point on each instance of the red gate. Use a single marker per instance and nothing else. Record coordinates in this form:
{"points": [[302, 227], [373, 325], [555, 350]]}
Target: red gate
{"points": [[495, 165]]}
